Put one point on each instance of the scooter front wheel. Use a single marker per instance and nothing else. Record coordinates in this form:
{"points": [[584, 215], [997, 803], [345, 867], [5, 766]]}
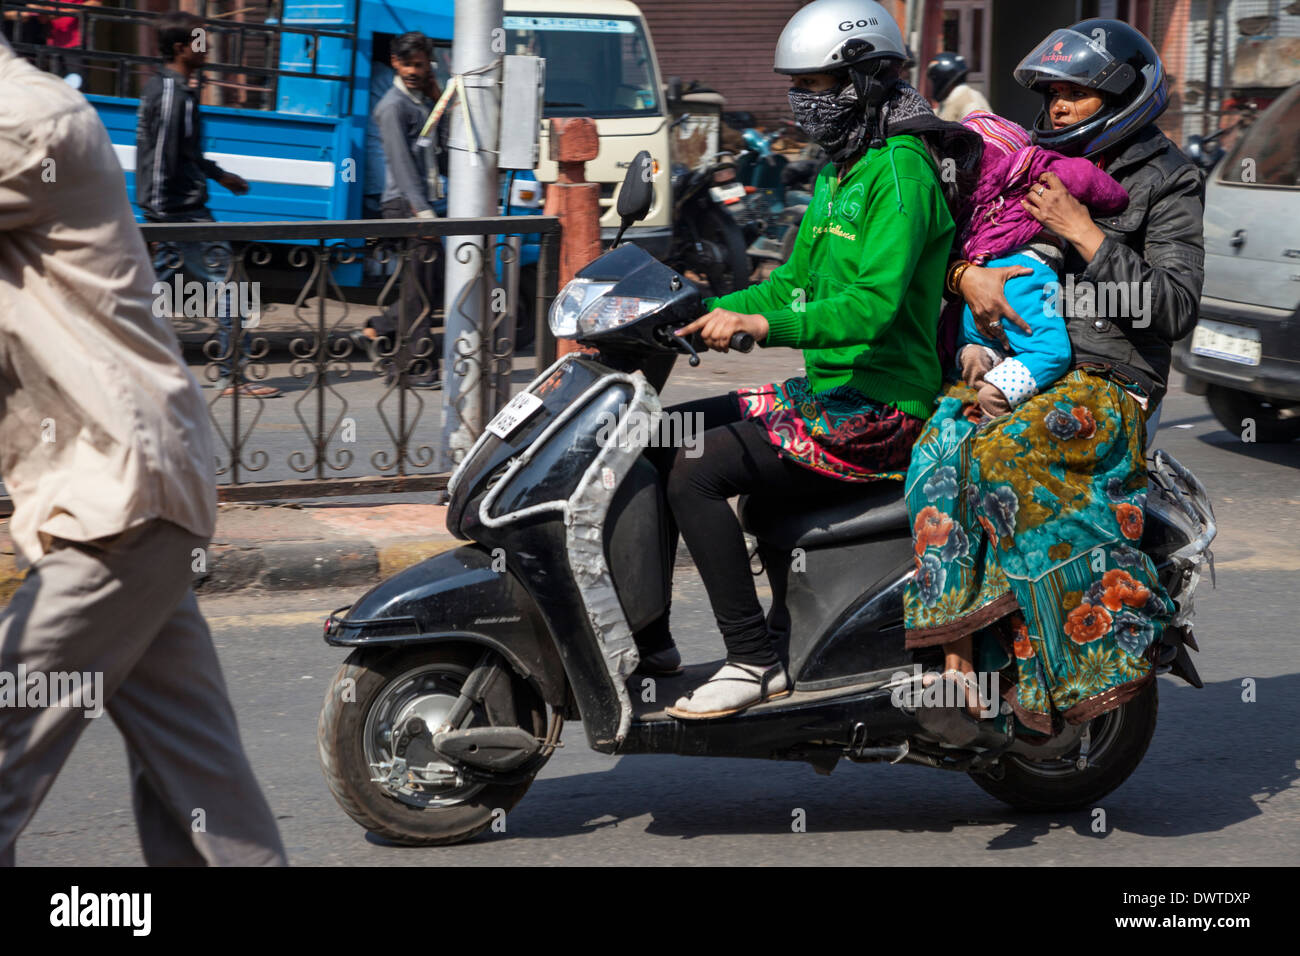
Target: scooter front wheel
{"points": [[392, 781], [1116, 744]]}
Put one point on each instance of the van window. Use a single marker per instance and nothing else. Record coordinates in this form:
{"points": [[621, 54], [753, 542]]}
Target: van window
{"points": [[1269, 152], [597, 67]]}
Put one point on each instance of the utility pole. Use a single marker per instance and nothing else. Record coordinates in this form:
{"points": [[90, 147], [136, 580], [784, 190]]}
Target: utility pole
{"points": [[471, 193]]}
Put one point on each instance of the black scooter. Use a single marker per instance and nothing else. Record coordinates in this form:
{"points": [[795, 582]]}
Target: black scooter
{"points": [[438, 721]]}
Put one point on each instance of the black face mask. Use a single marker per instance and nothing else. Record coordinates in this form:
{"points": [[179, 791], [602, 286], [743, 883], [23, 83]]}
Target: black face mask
{"points": [[833, 119]]}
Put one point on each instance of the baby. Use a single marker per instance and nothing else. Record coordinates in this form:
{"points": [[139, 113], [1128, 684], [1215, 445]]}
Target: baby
{"points": [[1001, 233]]}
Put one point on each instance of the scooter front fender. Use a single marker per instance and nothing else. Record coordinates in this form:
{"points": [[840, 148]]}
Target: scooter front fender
{"points": [[464, 595]]}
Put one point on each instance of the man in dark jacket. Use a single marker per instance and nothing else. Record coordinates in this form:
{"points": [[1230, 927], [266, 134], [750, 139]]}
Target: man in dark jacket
{"points": [[412, 188], [171, 175]]}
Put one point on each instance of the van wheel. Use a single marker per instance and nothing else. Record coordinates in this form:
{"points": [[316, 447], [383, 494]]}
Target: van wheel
{"points": [[1118, 740], [372, 696], [1275, 420]]}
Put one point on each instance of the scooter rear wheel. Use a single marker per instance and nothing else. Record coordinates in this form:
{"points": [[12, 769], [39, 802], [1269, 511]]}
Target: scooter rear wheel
{"points": [[1118, 740], [375, 689]]}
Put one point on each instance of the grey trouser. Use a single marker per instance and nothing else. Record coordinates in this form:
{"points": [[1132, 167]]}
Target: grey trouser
{"points": [[123, 607]]}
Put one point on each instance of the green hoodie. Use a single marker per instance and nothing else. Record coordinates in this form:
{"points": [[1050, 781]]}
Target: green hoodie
{"points": [[861, 292]]}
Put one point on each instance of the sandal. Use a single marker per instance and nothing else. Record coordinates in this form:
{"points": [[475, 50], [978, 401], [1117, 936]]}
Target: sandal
{"points": [[732, 689]]}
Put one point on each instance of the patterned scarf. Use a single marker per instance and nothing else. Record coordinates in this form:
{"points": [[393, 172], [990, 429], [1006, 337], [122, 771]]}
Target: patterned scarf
{"points": [[836, 121]]}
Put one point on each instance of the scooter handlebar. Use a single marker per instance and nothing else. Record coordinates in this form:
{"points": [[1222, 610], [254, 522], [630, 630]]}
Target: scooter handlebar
{"points": [[741, 342]]}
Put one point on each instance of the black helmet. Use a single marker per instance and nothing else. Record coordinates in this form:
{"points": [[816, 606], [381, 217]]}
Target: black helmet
{"points": [[945, 71], [1103, 55]]}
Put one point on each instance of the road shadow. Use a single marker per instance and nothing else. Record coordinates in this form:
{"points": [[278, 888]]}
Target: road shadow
{"points": [[1215, 761], [1279, 453]]}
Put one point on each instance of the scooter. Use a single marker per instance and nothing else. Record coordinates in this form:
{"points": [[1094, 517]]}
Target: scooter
{"points": [[465, 667]]}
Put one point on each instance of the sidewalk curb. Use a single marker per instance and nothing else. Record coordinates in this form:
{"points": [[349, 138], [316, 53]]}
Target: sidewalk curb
{"points": [[287, 565], [301, 565]]}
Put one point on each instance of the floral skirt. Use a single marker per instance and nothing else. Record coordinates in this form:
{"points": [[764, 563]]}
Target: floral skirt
{"points": [[1040, 512], [839, 432]]}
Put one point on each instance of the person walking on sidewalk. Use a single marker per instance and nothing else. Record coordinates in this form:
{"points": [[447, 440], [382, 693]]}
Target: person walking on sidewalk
{"points": [[412, 188], [106, 450], [171, 183]]}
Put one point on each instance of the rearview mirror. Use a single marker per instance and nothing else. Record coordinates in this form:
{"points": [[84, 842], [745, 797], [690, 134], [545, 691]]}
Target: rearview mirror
{"points": [[637, 193]]}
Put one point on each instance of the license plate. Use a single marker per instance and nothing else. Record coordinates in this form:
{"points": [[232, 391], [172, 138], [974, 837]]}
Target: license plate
{"points": [[728, 194], [1223, 340], [517, 411]]}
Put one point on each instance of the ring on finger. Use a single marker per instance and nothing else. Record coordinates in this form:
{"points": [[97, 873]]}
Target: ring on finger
{"points": [[995, 325], [1041, 190]]}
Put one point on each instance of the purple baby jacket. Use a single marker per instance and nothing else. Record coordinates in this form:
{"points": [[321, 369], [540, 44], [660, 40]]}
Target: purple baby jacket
{"points": [[998, 223]]}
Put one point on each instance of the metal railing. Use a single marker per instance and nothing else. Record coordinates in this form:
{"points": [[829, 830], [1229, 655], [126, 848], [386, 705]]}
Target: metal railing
{"points": [[320, 280]]}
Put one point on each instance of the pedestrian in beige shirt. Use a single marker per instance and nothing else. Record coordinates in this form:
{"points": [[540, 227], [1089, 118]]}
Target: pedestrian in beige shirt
{"points": [[106, 450]]}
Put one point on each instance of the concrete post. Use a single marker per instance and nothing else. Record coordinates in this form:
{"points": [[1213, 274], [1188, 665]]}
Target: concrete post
{"points": [[574, 142], [471, 193]]}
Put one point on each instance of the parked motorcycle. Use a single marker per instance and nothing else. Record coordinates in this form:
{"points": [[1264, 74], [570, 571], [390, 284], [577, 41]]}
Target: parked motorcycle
{"points": [[706, 239], [465, 667], [777, 191]]}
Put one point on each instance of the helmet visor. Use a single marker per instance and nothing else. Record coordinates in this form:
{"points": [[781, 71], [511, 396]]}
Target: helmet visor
{"points": [[1071, 57]]}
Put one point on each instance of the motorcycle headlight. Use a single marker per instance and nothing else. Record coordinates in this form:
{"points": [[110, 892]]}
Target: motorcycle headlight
{"points": [[583, 307]]}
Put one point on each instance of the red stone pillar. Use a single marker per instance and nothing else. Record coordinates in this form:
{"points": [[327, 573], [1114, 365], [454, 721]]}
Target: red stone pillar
{"points": [[574, 142]]}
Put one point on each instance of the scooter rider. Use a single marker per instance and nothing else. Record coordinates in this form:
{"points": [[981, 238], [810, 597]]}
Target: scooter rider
{"points": [[860, 295], [947, 73]]}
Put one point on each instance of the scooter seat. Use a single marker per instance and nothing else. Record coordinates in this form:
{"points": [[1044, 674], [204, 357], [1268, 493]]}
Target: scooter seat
{"points": [[877, 509]]}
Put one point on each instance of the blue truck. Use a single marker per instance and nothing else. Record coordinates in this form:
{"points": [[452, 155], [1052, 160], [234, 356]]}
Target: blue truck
{"points": [[290, 86]]}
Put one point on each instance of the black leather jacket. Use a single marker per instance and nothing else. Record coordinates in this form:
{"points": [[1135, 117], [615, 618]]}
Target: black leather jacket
{"points": [[1157, 244]]}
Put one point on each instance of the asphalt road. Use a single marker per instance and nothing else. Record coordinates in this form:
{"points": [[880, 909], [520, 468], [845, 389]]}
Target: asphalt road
{"points": [[1218, 785]]}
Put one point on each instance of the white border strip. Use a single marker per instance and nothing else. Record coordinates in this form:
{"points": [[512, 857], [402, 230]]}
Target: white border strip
{"points": [[258, 169]]}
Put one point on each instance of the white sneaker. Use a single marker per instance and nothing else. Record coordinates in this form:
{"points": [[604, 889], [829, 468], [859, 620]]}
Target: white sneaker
{"points": [[733, 688]]}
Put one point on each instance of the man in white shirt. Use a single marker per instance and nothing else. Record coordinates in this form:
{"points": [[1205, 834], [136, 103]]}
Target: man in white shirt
{"points": [[106, 450]]}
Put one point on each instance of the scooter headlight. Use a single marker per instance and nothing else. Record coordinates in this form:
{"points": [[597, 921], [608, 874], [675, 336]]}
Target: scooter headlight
{"points": [[611, 311], [584, 308], [573, 299]]}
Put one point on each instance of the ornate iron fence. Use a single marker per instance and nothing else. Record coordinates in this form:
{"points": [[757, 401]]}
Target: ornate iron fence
{"points": [[291, 297]]}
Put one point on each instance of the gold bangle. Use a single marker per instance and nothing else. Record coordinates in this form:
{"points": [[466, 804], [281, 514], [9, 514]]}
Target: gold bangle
{"points": [[954, 276], [952, 272]]}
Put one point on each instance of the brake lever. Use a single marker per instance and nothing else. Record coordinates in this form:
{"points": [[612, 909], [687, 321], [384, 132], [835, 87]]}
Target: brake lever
{"points": [[683, 344]]}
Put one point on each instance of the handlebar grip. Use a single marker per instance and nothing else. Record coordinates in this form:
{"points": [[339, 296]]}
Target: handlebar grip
{"points": [[742, 342]]}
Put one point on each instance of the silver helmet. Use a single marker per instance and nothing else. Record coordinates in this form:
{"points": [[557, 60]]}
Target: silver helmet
{"points": [[829, 35]]}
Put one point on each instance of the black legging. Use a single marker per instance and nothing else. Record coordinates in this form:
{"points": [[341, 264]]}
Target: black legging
{"points": [[735, 458]]}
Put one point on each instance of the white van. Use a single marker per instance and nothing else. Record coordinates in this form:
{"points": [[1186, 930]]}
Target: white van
{"points": [[1244, 355], [600, 63]]}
